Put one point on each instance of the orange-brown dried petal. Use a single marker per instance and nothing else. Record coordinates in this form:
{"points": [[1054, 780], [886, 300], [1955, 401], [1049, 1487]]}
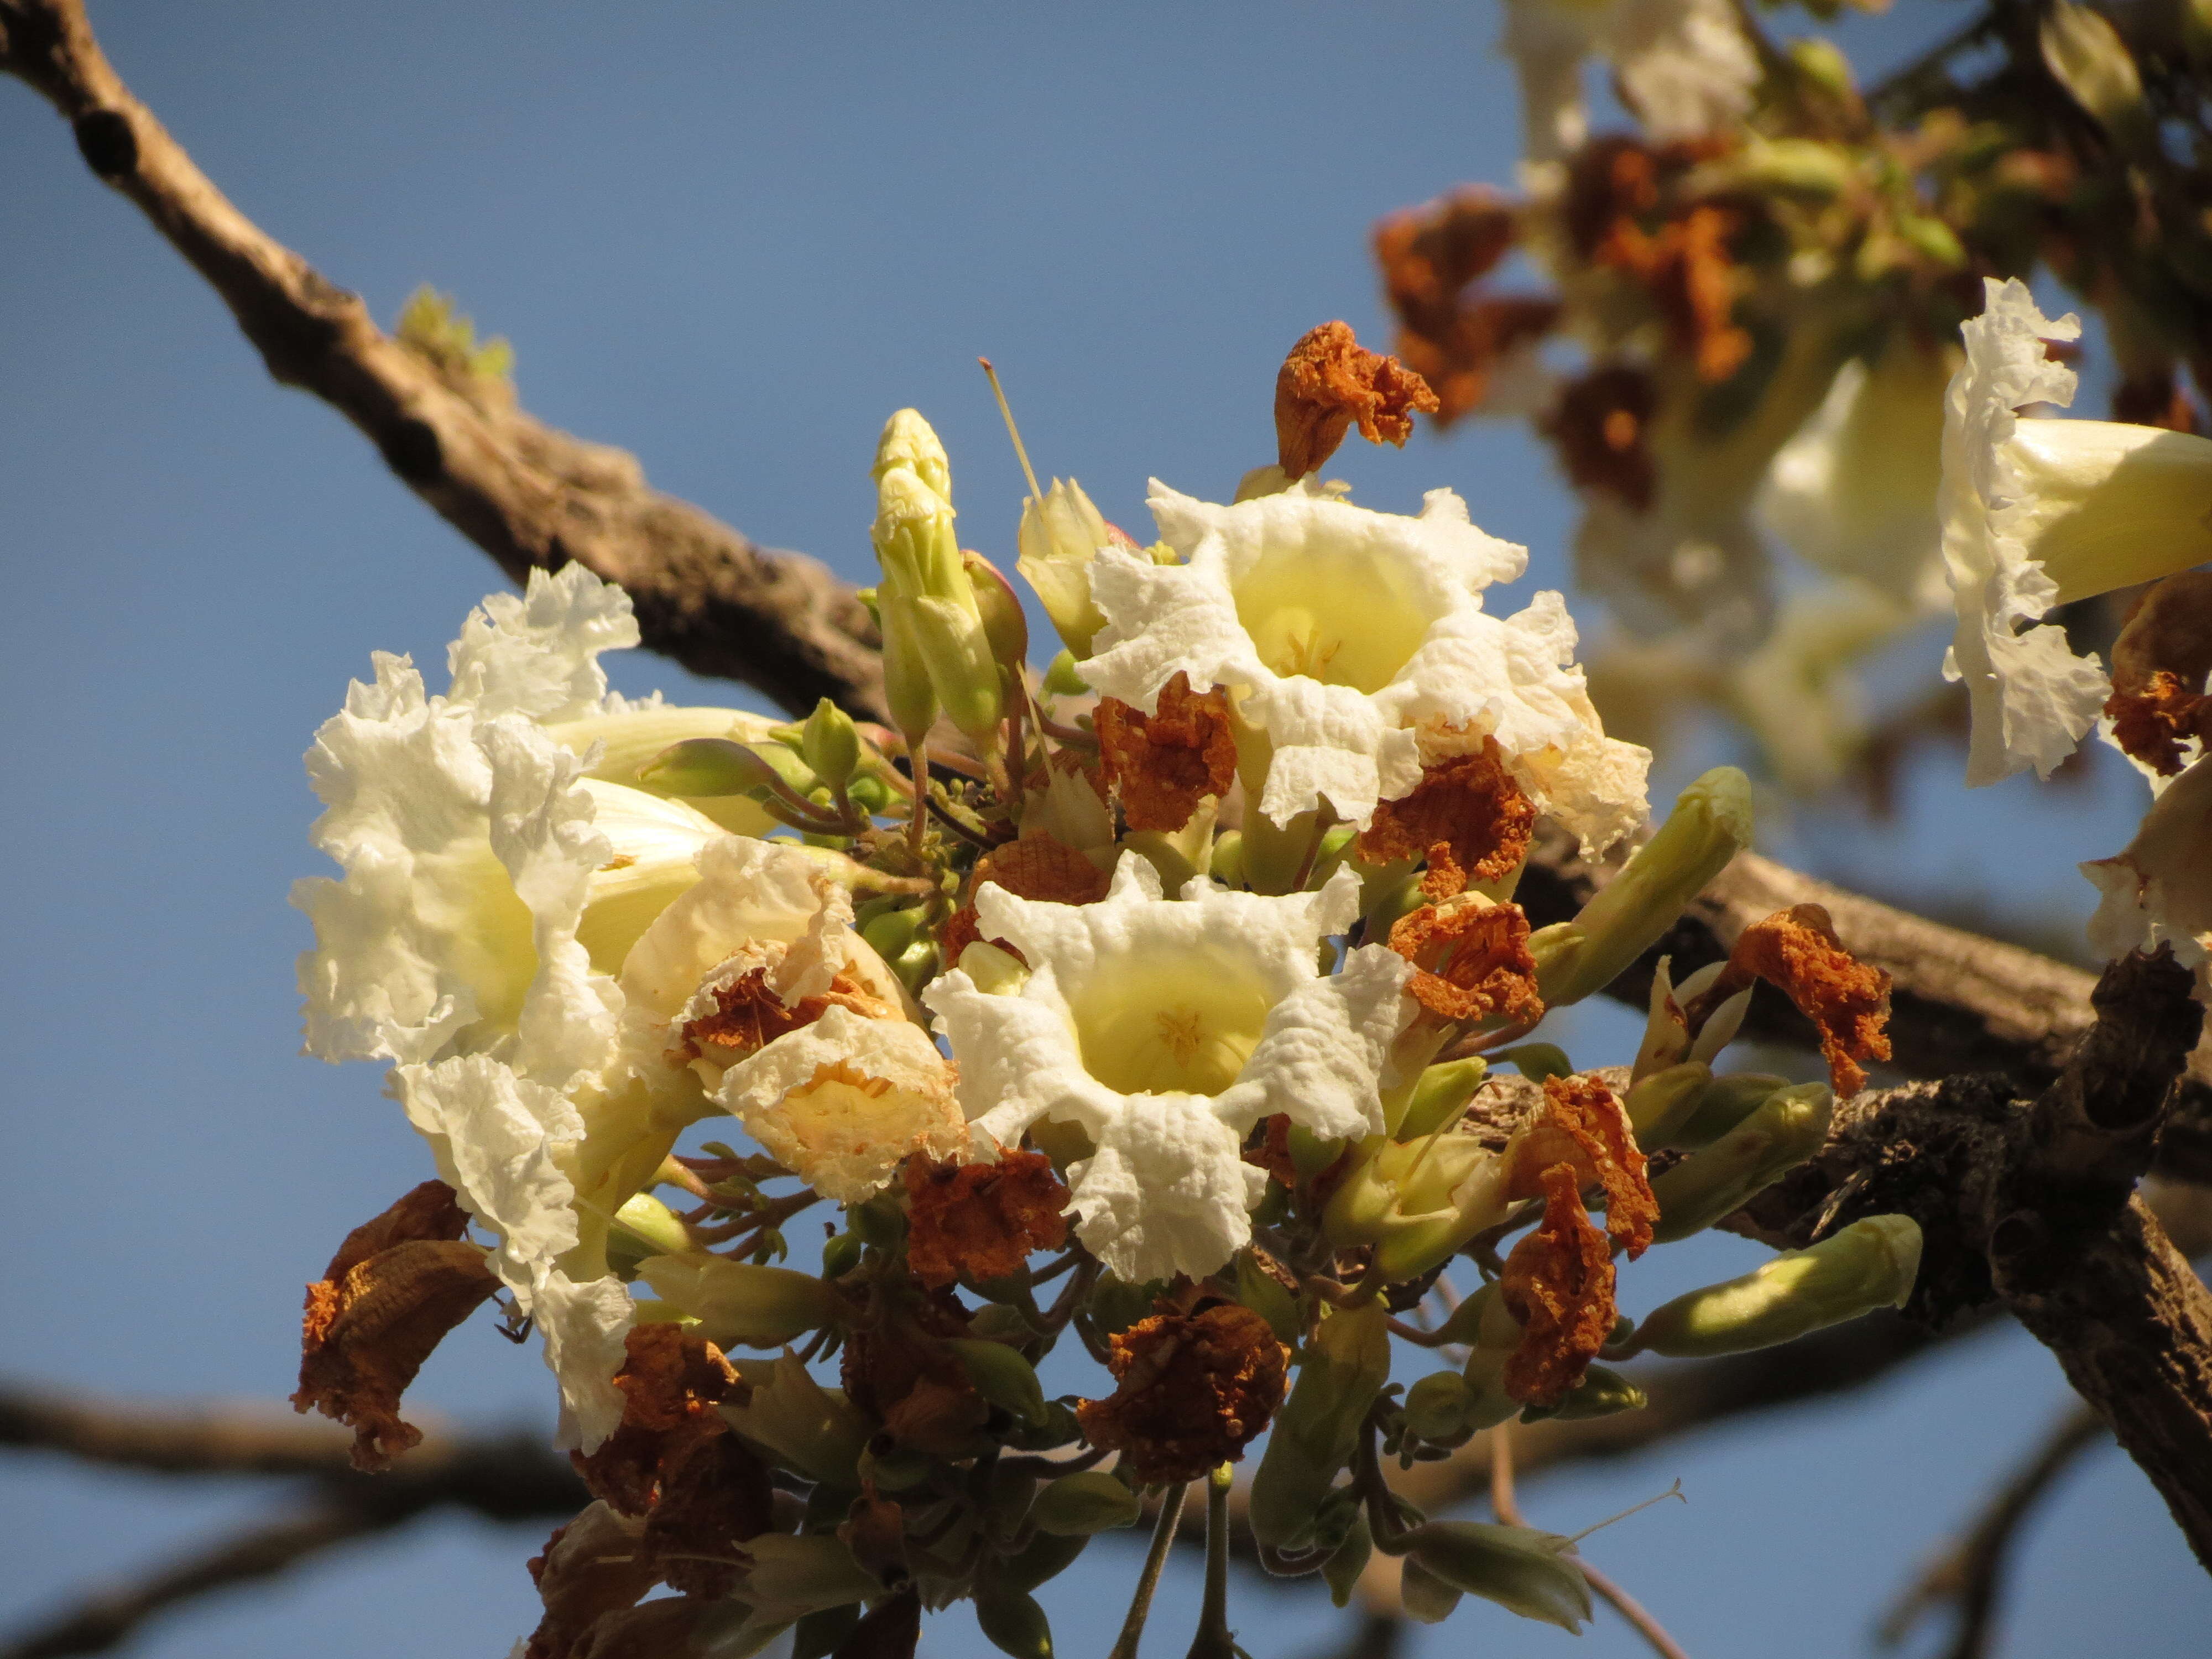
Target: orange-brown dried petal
{"points": [[1466, 817], [1470, 960], [1452, 338], [1584, 1126], [1329, 382], [1600, 428], [671, 1383], [1193, 1391], [1162, 764], [1269, 1148], [1558, 1284], [1797, 952], [749, 1015], [982, 1219], [896, 1368], [398, 1283], [712, 1499]]}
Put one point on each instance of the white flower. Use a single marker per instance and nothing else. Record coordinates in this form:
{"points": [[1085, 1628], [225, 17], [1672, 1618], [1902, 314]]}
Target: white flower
{"points": [[753, 990], [1685, 66], [2039, 512], [1164, 1031], [1854, 491], [1356, 641], [2159, 890]]}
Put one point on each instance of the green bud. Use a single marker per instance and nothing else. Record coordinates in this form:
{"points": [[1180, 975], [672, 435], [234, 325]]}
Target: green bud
{"points": [[1012, 1622], [1602, 1393], [1088, 1501], [1723, 1103], [840, 1255], [1059, 538], [1345, 1365], [1441, 1091], [1436, 1407], [871, 795], [908, 692], [910, 441], [879, 1222], [1117, 1305], [1003, 624], [1059, 1428], [821, 1633], [1803, 165], [997, 972], [1520, 1568], [892, 934], [1709, 825], [916, 965], [1933, 239], [1791, 1127], [1265, 1296], [830, 744], [1002, 1376], [792, 1576], [737, 1302], [1820, 63], [709, 766], [1341, 1572], [1426, 1598], [1062, 679], [1227, 863], [654, 1223], [2085, 55], [1658, 1105], [1048, 1556], [1537, 1060], [901, 1468], [1468, 1320], [805, 1427], [1869, 1264]]}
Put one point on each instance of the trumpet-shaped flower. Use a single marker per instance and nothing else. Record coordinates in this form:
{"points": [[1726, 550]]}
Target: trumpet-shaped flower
{"points": [[1164, 1030], [2037, 512], [1684, 65], [1356, 643], [2158, 889], [754, 988]]}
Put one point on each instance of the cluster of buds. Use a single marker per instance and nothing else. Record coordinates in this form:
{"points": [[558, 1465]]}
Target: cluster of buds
{"points": [[1172, 1003], [1752, 313]]}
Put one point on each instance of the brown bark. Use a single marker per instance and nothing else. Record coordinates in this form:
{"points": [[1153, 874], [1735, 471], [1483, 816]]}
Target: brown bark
{"points": [[529, 495]]}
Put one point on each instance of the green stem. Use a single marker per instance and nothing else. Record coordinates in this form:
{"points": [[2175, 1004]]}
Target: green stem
{"points": [[1156, 1561], [1215, 1640]]}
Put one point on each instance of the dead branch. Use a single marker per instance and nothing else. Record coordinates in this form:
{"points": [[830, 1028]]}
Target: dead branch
{"points": [[1969, 1573], [529, 495]]}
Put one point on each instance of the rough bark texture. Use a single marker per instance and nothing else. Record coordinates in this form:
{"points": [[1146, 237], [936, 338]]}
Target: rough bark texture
{"points": [[529, 495]]}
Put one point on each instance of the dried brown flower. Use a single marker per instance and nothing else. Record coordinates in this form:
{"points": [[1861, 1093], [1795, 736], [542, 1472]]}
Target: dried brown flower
{"points": [[2160, 666], [1584, 1126], [717, 1495], [1472, 959], [897, 1368], [1466, 817], [1453, 338], [1330, 380], [591, 1568], [1558, 1284], [1797, 952], [398, 1283], [1600, 428], [671, 1383], [1161, 764], [749, 1015], [980, 1219], [1037, 866], [1194, 1389]]}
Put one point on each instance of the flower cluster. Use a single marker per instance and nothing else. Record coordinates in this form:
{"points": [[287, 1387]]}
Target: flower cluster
{"points": [[1175, 999]]}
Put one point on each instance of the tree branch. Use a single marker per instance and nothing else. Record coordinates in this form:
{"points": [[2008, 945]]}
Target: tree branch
{"points": [[529, 495]]}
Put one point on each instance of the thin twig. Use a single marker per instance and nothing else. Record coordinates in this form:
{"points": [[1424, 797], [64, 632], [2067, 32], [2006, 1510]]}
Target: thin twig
{"points": [[1156, 1560]]}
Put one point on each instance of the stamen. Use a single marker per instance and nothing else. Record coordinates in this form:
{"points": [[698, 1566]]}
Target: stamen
{"points": [[1012, 431]]}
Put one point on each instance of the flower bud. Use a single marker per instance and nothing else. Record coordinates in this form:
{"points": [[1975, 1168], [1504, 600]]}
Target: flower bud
{"points": [[927, 596], [710, 766], [1059, 538], [1049, 1555], [910, 441], [908, 693], [805, 1427], [737, 1303], [1602, 1393], [1002, 1376], [1012, 1621], [1341, 1572], [1440, 1091], [1723, 1103], [1088, 1501], [1345, 1365], [1426, 1598], [1436, 1407], [654, 1222], [830, 744], [1659, 1104], [1869, 1264], [891, 934], [1063, 679], [1789, 1127], [1003, 624], [1520, 1568], [1709, 825]]}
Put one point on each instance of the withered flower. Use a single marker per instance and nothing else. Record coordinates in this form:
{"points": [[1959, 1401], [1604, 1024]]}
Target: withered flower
{"points": [[1583, 1127], [1797, 952], [896, 1368], [1455, 341], [1471, 959], [1466, 817], [1161, 764], [1558, 1284], [2159, 665], [1037, 866], [1195, 1390], [719, 1495], [982, 1219], [398, 1283], [1330, 380], [671, 1383], [1601, 429]]}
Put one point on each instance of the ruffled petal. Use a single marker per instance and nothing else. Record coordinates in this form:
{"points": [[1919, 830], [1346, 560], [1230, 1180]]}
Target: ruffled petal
{"points": [[1327, 1051], [1167, 1192], [586, 1326], [538, 654], [500, 1141]]}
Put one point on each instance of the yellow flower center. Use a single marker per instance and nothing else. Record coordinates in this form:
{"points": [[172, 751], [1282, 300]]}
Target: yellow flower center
{"points": [[1186, 1030], [1342, 616]]}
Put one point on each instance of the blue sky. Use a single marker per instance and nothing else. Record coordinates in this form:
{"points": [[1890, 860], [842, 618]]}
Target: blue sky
{"points": [[733, 240]]}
